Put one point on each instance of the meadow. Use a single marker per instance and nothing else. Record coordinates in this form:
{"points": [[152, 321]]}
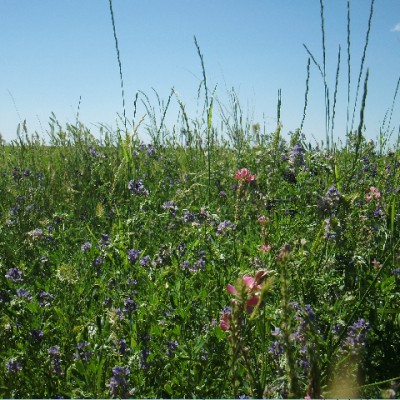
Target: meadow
{"points": [[210, 262]]}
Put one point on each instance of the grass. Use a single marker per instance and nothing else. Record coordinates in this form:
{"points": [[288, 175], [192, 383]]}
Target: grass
{"points": [[200, 264]]}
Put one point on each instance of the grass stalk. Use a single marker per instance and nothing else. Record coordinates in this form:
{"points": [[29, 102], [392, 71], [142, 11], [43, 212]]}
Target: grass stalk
{"points": [[119, 65]]}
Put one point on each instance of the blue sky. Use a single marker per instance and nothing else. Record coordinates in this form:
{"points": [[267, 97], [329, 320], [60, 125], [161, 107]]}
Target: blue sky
{"points": [[54, 52]]}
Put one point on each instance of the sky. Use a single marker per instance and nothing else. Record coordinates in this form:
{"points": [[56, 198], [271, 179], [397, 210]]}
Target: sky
{"points": [[60, 57]]}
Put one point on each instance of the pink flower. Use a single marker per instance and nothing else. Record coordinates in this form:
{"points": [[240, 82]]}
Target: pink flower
{"points": [[241, 174], [263, 219], [253, 287], [264, 248], [224, 324], [231, 289], [244, 175], [374, 193]]}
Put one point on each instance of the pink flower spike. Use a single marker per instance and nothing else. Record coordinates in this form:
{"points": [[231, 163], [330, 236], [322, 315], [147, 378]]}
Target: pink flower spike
{"points": [[264, 248], [224, 325], [260, 275], [242, 173], [253, 301], [231, 289], [249, 281], [250, 178], [262, 219]]}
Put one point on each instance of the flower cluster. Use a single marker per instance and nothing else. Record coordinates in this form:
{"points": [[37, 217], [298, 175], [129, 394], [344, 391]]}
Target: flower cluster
{"points": [[118, 384], [83, 352], [245, 175], [13, 366], [247, 296], [356, 337], [373, 194], [55, 360], [137, 187], [133, 255], [14, 275]]}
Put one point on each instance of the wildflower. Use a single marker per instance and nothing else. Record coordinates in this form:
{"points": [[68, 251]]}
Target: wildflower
{"points": [[118, 384], [297, 155], [144, 261], [14, 275], [105, 240], [45, 298], [122, 348], [137, 187], [225, 315], [373, 194], [224, 227], [133, 255], [171, 347], [24, 294], [331, 200], [244, 175], [144, 354], [250, 290], [55, 361], [13, 366], [262, 219], [83, 353], [170, 206], [86, 247], [265, 248], [187, 216], [97, 262], [355, 340], [37, 335], [129, 306]]}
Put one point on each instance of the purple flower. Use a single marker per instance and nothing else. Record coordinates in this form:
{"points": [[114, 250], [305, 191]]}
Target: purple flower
{"points": [[45, 298], [129, 306], [14, 275], [118, 384], [83, 353], [122, 349], [188, 216], [86, 247], [137, 187], [356, 337], [55, 362], [97, 262], [37, 335], [133, 255], [170, 206], [24, 294], [105, 240], [224, 227], [144, 261], [171, 347], [13, 366], [297, 155]]}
